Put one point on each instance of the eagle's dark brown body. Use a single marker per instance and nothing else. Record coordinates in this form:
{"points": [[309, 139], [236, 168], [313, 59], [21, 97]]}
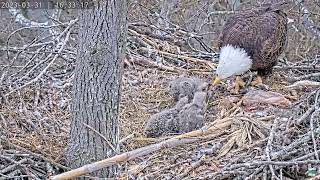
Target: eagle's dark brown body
{"points": [[261, 32]]}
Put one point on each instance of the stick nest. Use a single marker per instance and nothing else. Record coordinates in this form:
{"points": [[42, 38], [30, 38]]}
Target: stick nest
{"points": [[262, 141]]}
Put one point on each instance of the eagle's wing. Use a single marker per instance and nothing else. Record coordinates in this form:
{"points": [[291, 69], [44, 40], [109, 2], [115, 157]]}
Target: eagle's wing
{"points": [[272, 38], [239, 30]]}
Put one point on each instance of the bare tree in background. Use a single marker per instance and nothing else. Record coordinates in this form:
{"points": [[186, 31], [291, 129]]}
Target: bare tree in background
{"points": [[166, 7], [96, 92]]}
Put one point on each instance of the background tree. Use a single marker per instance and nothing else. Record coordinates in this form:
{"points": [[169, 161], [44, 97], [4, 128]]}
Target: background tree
{"points": [[95, 108]]}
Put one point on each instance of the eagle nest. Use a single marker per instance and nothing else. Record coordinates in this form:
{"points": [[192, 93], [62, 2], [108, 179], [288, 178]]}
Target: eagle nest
{"points": [[256, 134]]}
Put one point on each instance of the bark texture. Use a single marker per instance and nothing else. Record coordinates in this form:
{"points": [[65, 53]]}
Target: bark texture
{"points": [[94, 133]]}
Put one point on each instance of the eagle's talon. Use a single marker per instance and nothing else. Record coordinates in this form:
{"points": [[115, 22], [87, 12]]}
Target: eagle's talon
{"points": [[257, 82], [238, 84]]}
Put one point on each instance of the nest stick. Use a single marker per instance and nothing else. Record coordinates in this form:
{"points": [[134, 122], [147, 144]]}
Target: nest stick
{"points": [[269, 147], [193, 136]]}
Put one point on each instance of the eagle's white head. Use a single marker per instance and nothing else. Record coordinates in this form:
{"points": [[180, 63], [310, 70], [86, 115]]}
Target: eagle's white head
{"points": [[232, 61]]}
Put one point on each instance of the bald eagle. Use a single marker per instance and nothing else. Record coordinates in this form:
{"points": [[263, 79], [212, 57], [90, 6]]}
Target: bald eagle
{"points": [[251, 40]]}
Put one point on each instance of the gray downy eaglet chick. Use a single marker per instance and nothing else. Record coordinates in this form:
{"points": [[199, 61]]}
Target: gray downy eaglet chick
{"points": [[191, 116], [165, 122], [184, 86]]}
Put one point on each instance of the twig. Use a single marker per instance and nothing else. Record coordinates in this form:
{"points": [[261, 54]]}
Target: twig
{"points": [[126, 138], [307, 156], [13, 166], [297, 67], [294, 145], [307, 76], [304, 83], [169, 167], [316, 112], [143, 61], [61, 46], [220, 12], [186, 58], [35, 154], [194, 165], [102, 136], [275, 163], [257, 171], [303, 118], [307, 22], [269, 147]]}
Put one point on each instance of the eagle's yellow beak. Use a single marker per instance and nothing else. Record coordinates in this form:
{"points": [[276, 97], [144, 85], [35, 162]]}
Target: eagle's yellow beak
{"points": [[216, 81]]}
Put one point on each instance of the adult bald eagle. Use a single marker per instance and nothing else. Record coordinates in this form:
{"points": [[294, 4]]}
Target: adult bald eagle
{"points": [[252, 40]]}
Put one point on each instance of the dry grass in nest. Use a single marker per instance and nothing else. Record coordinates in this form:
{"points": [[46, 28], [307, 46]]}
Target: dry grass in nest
{"points": [[140, 101], [207, 155], [51, 146], [42, 129]]}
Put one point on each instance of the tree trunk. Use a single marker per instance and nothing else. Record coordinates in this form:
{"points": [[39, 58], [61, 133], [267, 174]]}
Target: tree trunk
{"points": [[234, 4], [94, 133]]}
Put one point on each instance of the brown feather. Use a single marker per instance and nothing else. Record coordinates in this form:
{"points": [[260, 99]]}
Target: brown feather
{"points": [[262, 32]]}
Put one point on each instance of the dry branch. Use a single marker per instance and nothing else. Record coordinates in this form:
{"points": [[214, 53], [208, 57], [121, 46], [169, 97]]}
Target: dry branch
{"points": [[186, 58], [304, 83], [307, 76], [34, 154], [214, 131], [294, 145], [307, 22], [269, 146], [60, 47]]}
